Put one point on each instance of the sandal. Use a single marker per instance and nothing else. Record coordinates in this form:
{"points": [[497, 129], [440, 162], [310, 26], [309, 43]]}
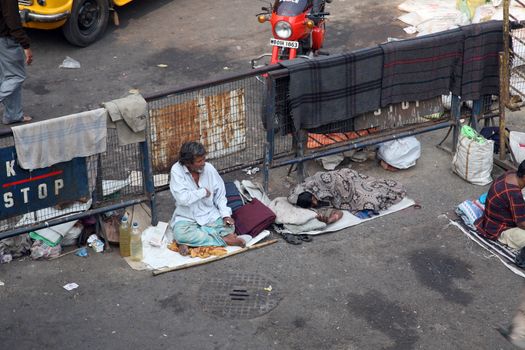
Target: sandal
{"points": [[292, 239], [25, 119], [305, 238]]}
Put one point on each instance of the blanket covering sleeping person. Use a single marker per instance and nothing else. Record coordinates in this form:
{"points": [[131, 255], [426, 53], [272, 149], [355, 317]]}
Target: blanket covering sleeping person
{"points": [[348, 190]]}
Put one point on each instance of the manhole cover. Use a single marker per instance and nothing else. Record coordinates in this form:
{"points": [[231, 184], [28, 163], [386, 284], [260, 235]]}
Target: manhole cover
{"points": [[238, 295]]}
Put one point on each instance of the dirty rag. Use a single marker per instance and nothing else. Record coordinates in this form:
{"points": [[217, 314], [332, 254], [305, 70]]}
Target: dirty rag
{"points": [[129, 116], [42, 144], [15, 246]]}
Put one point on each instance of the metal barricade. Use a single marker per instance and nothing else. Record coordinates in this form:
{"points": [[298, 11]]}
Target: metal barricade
{"points": [[72, 190], [395, 121], [244, 120], [225, 115]]}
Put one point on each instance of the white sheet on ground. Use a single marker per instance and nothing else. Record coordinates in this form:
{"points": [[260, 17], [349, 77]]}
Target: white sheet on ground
{"points": [[161, 257], [349, 219], [490, 248]]}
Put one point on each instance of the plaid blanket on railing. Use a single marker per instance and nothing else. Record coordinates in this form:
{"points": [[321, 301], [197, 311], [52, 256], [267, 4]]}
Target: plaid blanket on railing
{"points": [[482, 44], [324, 90], [422, 68]]}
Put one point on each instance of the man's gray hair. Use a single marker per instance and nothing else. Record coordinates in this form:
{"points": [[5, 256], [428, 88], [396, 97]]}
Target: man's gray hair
{"points": [[191, 150]]}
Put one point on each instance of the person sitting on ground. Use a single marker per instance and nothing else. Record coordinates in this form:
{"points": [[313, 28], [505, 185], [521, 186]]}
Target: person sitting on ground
{"points": [[348, 190], [201, 216], [504, 215]]}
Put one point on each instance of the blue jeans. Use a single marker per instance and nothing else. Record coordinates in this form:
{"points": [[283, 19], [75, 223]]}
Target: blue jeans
{"points": [[12, 75]]}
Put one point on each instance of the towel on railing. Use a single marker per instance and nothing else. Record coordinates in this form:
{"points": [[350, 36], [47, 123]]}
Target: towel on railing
{"points": [[422, 68], [482, 44], [129, 116], [324, 90], [42, 144]]}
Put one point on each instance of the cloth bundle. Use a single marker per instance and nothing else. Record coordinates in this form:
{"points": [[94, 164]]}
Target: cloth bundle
{"points": [[469, 212], [295, 219], [252, 218], [233, 196], [248, 202]]}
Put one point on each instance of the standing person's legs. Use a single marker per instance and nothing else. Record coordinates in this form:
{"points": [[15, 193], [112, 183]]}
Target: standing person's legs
{"points": [[516, 332], [13, 74]]}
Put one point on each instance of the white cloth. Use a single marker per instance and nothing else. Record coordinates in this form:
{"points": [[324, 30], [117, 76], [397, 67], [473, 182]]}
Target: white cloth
{"points": [[42, 144], [191, 201], [286, 213]]}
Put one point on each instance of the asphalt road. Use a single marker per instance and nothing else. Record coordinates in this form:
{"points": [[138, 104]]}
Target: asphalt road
{"points": [[404, 281], [196, 40]]}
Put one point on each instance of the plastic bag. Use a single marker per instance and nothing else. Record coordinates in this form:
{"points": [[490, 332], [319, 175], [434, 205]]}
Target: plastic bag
{"points": [[472, 134], [71, 236], [468, 7], [473, 160], [484, 13], [69, 63], [402, 153]]}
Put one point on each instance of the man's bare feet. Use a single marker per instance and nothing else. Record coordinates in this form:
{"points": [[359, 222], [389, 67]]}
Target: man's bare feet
{"points": [[330, 216], [335, 216], [184, 250], [233, 240]]}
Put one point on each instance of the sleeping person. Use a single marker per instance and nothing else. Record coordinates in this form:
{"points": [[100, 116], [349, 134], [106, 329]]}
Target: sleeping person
{"points": [[348, 190]]}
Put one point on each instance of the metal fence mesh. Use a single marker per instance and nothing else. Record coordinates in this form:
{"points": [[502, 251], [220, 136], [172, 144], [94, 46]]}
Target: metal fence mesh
{"points": [[112, 177], [226, 117], [517, 66]]}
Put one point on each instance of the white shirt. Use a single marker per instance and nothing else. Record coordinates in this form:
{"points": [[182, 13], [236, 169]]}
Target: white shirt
{"points": [[190, 199]]}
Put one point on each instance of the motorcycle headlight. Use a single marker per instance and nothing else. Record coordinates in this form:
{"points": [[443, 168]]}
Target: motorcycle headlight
{"points": [[283, 29]]}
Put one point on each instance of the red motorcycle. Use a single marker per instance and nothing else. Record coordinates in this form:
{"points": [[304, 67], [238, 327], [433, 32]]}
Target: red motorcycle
{"points": [[298, 28]]}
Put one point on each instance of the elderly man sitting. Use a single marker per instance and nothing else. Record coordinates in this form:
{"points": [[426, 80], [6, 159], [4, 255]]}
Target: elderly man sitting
{"points": [[201, 216]]}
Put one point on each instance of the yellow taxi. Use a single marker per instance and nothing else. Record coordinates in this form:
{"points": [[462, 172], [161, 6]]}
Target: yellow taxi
{"points": [[82, 21]]}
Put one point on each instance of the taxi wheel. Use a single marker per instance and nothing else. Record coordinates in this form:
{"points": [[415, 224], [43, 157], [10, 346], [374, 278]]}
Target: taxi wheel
{"points": [[88, 21]]}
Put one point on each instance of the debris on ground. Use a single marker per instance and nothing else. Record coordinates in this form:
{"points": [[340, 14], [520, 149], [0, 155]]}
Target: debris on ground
{"points": [[69, 63]]}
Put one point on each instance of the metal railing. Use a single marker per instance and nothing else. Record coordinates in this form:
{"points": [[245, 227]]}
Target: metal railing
{"points": [[118, 178]]}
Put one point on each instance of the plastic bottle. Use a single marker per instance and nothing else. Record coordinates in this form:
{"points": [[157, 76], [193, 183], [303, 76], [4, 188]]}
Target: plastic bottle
{"points": [[124, 232], [136, 242]]}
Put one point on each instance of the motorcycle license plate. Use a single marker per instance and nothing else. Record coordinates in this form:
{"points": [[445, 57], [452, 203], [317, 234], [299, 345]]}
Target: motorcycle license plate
{"points": [[284, 43]]}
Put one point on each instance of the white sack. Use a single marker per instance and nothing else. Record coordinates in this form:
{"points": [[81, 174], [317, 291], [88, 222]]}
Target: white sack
{"points": [[517, 145], [473, 161], [402, 153]]}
